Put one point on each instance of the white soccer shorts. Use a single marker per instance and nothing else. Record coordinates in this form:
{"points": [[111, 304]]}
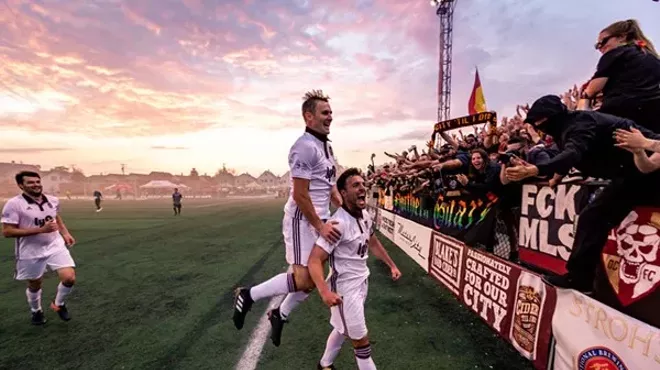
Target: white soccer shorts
{"points": [[299, 239], [33, 269], [348, 318]]}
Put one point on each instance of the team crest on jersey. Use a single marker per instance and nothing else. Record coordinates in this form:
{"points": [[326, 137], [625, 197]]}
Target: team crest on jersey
{"points": [[599, 358], [330, 173], [631, 256]]}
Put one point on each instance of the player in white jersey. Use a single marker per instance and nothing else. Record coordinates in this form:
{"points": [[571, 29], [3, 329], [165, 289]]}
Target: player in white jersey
{"points": [[313, 171], [349, 274], [41, 241]]}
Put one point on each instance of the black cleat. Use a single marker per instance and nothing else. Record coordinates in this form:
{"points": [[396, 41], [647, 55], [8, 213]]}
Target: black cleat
{"points": [[567, 281], [331, 367], [242, 304], [62, 312], [38, 318], [277, 324]]}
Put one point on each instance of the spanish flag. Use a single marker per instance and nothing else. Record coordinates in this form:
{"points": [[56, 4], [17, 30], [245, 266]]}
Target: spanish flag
{"points": [[477, 103]]}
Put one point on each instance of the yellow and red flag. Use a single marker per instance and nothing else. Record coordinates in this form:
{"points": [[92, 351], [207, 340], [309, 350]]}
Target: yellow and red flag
{"points": [[477, 103]]}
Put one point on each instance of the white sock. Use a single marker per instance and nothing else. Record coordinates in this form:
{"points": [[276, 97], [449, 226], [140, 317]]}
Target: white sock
{"points": [[363, 358], [62, 292], [34, 299], [332, 348], [292, 301], [278, 285]]}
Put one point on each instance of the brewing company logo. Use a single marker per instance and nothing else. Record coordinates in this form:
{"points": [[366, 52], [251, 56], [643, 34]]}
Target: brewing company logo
{"points": [[631, 256], [599, 358]]}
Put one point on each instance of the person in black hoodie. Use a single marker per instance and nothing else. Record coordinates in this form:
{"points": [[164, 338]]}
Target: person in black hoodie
{"points": [[586, 142]]}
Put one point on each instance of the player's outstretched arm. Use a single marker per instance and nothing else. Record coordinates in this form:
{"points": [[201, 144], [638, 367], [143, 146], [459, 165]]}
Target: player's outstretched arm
{"points": [[377, 249], [315, 265]]}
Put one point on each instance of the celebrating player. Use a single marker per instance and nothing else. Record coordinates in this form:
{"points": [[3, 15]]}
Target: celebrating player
{"points": [[313, 176], [349, 277], [41, 241], [176, 199]]}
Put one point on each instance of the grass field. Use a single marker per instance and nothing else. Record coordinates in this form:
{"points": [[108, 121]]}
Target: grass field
{"points": [[154, 291]]}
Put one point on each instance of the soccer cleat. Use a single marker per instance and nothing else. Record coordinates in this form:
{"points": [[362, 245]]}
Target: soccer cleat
{"points": [[62, 312], [38, 318], [277, 324], [331, 367], [242, 304]]}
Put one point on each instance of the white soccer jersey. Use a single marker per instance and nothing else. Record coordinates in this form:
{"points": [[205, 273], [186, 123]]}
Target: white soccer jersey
{"points": [[311, 158], [348, 256], [27, 214]]}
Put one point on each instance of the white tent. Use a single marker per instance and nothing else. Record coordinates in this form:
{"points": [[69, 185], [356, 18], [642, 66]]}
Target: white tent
{"points": [[159, 184], [182, 186], [253, 185]]}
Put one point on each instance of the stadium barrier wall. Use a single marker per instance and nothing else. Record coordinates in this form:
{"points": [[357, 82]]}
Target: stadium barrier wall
{"points": [[555, 329]]}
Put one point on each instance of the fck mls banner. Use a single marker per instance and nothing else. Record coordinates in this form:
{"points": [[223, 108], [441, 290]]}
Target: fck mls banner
{"points": [[512, 301], [468, 218], [547, 223]]}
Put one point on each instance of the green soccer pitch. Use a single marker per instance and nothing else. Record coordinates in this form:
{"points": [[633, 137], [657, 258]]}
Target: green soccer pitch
{"points": [[154, 291]]}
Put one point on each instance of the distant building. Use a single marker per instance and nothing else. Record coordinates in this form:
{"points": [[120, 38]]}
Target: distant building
{"points": [[268, 179]]}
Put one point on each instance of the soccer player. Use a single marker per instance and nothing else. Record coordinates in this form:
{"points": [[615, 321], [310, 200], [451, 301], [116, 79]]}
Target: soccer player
{"points": [[42, 238], [176, 199], [97, 200], [349, 271], [313, 177]]}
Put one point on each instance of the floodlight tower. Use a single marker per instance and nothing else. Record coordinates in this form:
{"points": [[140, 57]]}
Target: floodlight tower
{"points": [[444, 9]]}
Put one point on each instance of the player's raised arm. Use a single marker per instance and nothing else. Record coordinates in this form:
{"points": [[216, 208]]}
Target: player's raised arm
{"points": [[377, 249]]}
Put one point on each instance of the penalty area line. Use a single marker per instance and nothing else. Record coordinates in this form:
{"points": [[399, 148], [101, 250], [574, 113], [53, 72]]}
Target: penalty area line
{"points": [[252, 352]]}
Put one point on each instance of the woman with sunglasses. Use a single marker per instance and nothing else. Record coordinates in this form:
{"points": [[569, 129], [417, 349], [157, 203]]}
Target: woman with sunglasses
{"points": [[628, 75]]}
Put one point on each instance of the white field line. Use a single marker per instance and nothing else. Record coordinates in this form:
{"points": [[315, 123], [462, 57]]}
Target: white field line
{"points": [[252, 352]]}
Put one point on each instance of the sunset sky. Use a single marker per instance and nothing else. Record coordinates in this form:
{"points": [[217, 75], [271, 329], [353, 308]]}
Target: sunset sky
{"points": [[169, 85]]}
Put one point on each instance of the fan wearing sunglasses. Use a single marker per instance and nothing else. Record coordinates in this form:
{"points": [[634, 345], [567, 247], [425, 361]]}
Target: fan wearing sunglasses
{"points": [[628, 75]]}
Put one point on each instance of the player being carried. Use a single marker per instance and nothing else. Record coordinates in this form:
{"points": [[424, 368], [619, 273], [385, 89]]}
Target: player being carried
{"points": [[313, 176], [349, 275], [41, 241]]}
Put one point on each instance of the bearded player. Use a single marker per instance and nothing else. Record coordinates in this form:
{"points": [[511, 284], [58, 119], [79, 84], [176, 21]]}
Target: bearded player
{"points": [[42, 238], [313, 171], [349, 275]]}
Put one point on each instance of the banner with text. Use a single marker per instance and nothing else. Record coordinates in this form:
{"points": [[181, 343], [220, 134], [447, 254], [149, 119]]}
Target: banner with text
{"points": [[547, 223], [469, 218], [590, 335], [413, 239], [385, 222], [514, 302]]}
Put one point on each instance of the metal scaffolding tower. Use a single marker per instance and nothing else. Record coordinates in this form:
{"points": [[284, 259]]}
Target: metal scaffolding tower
{"points": [[445, 11]]}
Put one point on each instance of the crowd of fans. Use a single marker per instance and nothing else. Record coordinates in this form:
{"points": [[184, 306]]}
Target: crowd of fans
{"points": [[474, 160]]}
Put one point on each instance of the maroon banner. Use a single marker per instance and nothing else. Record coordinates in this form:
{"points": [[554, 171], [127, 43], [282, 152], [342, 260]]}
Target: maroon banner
{"points": [[629, 275], [511, 300]]}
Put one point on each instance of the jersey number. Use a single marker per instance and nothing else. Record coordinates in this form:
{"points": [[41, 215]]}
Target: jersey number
{"points": [[362, 250]]}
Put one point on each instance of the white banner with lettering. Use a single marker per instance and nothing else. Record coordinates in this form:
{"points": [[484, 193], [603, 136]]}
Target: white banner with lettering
{"points": [[386, 223], [591, 335], [414, 239]]}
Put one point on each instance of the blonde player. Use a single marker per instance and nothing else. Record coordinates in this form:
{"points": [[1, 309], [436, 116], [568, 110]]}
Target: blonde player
{"points": [[42, 238], [313, 171], [349, 275]]}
